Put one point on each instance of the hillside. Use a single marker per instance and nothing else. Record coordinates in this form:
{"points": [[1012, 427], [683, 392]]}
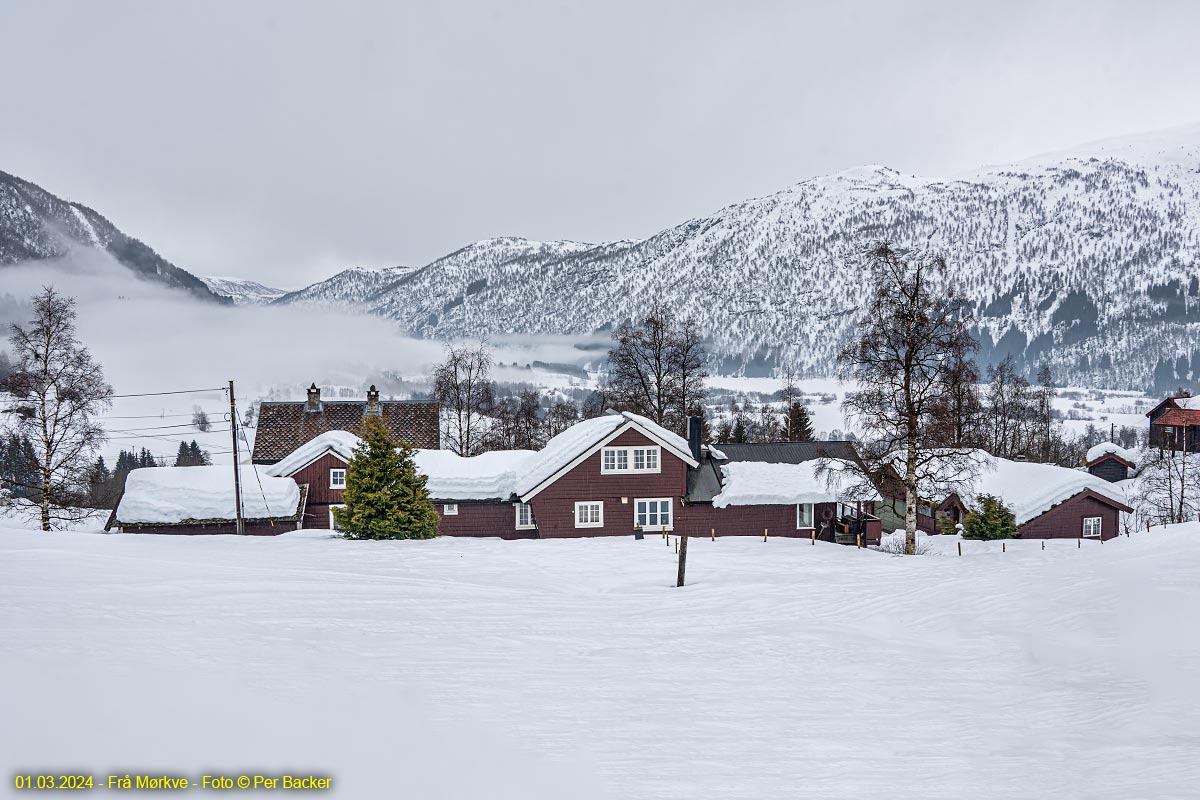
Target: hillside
{"points": [[36, 225], [348, 289], [242, 292], [1086, 260]]}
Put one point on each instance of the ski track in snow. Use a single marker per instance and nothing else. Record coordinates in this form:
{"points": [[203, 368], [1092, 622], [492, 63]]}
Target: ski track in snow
{"points": [[465, 668]]}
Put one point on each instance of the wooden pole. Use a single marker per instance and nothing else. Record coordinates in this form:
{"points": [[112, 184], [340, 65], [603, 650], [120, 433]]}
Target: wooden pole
{"points": [[960, 549], [860, 541], [764, 534], [1043, 544], [1004, 547], [1078, 543], [714, 534], [814, 537], [240, 526], [682, 560]]}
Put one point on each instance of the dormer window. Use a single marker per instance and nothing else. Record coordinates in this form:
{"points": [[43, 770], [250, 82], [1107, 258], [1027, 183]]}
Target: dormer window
{"points": [[630, 460], [337, 479]]}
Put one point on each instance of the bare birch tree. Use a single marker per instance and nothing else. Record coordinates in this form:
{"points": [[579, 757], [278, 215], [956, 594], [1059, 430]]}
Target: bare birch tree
{"points": [[57, 390], [656, 368], [901, 364], [463, 387]]}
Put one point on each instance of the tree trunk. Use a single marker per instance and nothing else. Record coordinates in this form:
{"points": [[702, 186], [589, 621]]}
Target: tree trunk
{"points": [[910, 518], [46, 497]]}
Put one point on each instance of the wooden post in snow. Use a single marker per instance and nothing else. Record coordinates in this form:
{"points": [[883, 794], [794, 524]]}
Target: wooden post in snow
{"points": [[1004, 547], [764, 534], [682, 560], [814, 537], [960, 549], [714, 534]]}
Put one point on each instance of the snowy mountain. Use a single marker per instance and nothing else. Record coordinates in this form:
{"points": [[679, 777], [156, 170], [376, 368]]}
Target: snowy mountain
{"points": [[348, 289], [242, 292], [36, 225], [1087, 260]]}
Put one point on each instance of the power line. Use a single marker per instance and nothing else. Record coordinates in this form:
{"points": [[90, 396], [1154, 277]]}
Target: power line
{"points": [[158, 394], [242, 429], [165, 438], [157, 428], [157, 416]]}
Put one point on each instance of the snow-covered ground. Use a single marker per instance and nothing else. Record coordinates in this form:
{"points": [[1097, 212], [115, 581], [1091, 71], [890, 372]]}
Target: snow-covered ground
{"points": [[482, 668]]}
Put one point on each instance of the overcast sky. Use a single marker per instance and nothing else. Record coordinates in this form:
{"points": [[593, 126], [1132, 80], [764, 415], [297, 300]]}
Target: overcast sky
{"points": [[285, 140]]}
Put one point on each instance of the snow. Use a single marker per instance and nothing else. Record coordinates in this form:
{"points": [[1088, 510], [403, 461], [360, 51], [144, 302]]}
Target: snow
{"points": [[1109, 448], [562, 449], [574, 668], [175, 494], [747, 483], [487, 476], [340, 443], [1190, 403]]}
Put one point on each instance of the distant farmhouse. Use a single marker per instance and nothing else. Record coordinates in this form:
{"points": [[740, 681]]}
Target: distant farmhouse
{"points": [[1175, 424]]}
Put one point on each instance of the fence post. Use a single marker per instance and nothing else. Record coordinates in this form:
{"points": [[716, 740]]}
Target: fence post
{"points": [[764, 534], [1078, 543], [860, 541], [714, 534], [960, 548], [814, 537], [1004, 547], [1043, 544], [682, 561]]}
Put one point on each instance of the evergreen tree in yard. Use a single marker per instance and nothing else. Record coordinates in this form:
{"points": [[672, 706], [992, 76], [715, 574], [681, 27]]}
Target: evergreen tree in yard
{"points": [[385, 496], [991, 520], [183, 458], [799, 423]]}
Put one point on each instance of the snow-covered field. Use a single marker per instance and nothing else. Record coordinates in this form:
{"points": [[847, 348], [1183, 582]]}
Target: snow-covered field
{"points": [[480, 668]]}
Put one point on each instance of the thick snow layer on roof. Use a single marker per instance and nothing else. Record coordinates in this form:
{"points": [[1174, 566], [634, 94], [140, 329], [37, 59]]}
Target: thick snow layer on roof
{"points": [[488, 476], [1190, 403], [175, 494], [341, 443], [1029, 490], [1109, 448], [564, 448], [749, 483]]}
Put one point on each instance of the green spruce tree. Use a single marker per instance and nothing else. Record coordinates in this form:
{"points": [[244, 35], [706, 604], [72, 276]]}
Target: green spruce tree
{"points": [[799, 423], [990, 520], [385, 496]]}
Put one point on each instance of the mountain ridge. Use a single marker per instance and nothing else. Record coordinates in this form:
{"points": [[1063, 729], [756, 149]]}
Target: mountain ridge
{"points": [[36, 225]]}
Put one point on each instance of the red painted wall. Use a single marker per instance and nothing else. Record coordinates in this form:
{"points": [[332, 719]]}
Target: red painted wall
{"points": [[320, 496], [554, 506], [482, 519], [1065, 521]]}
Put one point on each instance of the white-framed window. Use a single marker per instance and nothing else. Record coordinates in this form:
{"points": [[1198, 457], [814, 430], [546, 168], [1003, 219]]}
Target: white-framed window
{"points": [[589, 514], [804, 515], [333, 526], [337, 479], [630, 459], [653, 514], [524, 516], [1092, 526], [449, 509]]}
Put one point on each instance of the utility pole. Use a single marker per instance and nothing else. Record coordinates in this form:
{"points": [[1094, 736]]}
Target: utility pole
{"points": [[237, 480]]}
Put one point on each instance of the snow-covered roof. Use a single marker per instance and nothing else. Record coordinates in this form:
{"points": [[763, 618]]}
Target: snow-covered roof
{"points": [[488, 476], [1109, 448], [1030, 490], [165, 495], [748, 483], [340, 443], [1190, 403], [577, 440]]}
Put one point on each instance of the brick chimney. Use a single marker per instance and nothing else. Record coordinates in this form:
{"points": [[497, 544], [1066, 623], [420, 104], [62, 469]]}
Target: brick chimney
{"points": [[695, 429], [314, 399], [373, 402]]}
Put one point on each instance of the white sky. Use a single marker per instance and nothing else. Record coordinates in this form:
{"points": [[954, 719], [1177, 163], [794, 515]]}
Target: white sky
{"points": [[285, 140]]}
